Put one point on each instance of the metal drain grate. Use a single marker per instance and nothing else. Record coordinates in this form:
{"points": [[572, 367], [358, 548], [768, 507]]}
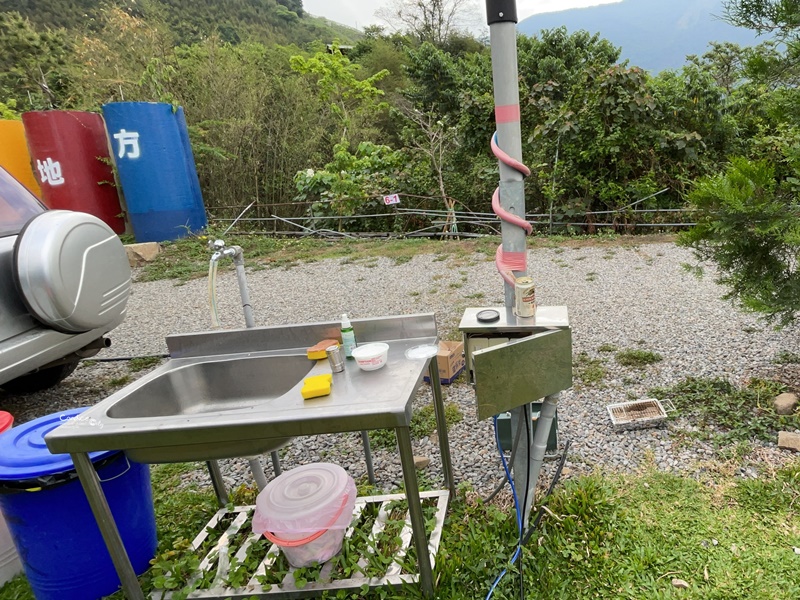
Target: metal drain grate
{"points": [[235, 563], [638, 414]]}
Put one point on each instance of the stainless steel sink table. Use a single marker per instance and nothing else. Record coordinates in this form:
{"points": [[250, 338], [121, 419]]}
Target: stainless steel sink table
{"points": [[203, 429]]}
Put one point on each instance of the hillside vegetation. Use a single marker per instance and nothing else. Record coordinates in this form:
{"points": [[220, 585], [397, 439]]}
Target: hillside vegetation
{"points": [[268, 21], [305, 130]]}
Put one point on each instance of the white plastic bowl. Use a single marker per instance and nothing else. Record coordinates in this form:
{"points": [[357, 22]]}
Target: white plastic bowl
{"points": [[370, 357]]}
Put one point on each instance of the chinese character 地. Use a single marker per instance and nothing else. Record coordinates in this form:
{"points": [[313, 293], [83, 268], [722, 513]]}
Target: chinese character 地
{"points": [[127, 138], [50, 171]]}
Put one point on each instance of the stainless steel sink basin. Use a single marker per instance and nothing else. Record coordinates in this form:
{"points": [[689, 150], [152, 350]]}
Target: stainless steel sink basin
{"points": [[213, 386], [238, 393]]}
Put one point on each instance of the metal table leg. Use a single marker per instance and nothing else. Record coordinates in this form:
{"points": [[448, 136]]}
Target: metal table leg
{"points": [[415, 510], [276, 463], [217, 482], [441, 426], [257, 469], [368, 457], [105, 521]]}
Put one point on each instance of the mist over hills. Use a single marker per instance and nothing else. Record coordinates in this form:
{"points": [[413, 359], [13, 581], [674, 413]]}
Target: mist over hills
{"points": [[653, 34]]}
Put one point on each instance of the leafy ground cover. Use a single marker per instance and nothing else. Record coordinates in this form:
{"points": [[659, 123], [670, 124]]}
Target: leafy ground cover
{"points": [[603, 536], [726, 414]]}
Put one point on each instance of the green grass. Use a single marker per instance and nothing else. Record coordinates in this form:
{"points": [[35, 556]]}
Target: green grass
{"points": [[727, 414], [637, 358], [119, 381], [423, 424], [589, 371], [786, 358], [188, 258], [607, 537], [627, 537], [145, 362]]}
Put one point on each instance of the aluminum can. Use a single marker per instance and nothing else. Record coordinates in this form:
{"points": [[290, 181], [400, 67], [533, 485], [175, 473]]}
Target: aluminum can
{"points": [[335, 358], [524, 297]]}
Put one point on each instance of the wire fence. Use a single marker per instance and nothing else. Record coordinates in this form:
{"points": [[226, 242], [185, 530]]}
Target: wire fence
{"points": [[297, 219]]}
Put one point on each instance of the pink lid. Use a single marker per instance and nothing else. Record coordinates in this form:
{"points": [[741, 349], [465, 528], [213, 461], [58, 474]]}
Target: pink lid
{"points": [[303, 500], [6, 420]]}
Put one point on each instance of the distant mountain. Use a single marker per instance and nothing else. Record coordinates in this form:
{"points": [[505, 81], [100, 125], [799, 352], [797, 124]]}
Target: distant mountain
{"points": [[653, 34]]}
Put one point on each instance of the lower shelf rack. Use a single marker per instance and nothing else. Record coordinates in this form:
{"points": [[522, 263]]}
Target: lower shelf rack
{"points": [[378, 551]]}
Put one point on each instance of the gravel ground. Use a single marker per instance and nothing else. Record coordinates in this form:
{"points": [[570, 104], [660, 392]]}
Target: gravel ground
{"points": [[627, 296]]}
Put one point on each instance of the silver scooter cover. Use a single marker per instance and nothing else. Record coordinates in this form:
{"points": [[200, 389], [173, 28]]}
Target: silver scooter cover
{"points": [[72, 271]]}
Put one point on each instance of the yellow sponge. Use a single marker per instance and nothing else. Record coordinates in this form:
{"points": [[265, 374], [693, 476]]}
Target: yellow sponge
{"points": [[317, 351], [318, 385]]}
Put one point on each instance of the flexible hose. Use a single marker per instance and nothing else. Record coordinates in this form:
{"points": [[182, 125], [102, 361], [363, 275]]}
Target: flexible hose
{"points": [[516, 554], [212, 292], [508, 262]]}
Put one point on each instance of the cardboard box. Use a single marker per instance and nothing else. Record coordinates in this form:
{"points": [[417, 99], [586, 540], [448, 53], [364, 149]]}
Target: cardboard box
{"points": [[450, 359]]}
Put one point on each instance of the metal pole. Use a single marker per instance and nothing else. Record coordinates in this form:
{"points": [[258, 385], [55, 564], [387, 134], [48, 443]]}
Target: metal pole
{"points": [[218, 483], [441, 425], [249, 320], [108, 528], [238, 261], [502, 19], [276, 463], [257, 469], [368, 456], [501, 16], [415, 510]]}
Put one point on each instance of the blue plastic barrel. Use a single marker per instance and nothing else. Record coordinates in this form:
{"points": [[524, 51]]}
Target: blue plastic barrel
{"points": [[61, 548], [150, 146]]}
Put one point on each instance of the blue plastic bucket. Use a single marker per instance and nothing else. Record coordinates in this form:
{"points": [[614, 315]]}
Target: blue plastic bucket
{"points": [[150, 143], [62, 551]]}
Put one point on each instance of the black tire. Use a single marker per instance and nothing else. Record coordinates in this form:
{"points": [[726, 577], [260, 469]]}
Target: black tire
{"points": [[40, 380]]}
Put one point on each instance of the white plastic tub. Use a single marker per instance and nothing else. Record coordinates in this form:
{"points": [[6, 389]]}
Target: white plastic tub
{"points": [[371, 357], [305, 512]]}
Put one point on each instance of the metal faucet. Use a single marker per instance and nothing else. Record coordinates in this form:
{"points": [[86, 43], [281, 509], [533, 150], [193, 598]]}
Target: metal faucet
{"points": [[237, 254], [218, 246]]}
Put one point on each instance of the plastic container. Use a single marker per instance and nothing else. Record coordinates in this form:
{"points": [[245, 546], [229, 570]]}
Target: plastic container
{"points": [[10, 564], [305, 512], [150, 146], [51, 523], [371, 357]]}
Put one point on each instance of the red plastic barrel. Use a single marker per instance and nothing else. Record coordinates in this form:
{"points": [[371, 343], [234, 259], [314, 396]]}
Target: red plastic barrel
{"points": [[70, 156]]}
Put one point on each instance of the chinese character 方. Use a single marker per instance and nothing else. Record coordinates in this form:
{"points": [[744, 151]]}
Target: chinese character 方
{"points": [[126, 139]]}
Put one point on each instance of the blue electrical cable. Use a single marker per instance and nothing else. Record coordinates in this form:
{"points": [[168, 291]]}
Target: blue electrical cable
{"points": [[516, 506]]}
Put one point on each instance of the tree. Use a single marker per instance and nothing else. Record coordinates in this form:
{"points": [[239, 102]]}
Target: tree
{"points": [[748, 223], [776, 61], [748, 217], [350, 99], [432, 21], [33, 62]]}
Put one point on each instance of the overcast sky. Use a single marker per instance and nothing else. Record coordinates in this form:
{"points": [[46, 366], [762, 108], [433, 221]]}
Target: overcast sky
{"points": [[359, 13]]}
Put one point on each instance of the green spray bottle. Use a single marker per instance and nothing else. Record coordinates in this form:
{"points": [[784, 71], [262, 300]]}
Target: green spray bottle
{"points": [[348, 337]]}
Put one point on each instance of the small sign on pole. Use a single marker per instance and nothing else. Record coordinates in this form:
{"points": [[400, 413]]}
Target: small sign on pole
{"points": [[391, 199]]}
